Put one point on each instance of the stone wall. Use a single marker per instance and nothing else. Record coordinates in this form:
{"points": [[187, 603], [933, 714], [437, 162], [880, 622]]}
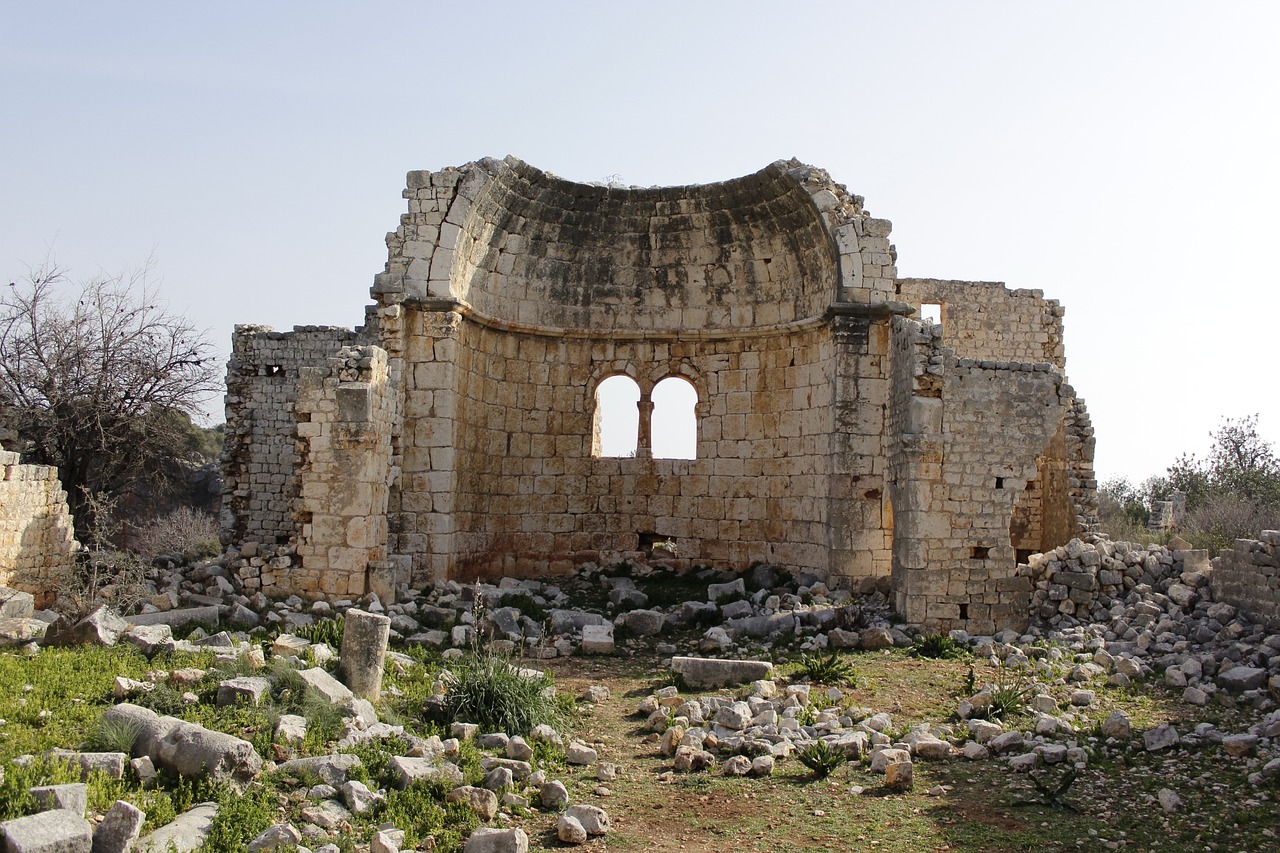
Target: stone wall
{"points": [[260, 454], [971, 435], [1248, 577], [37, 538], [833, 436], [509, 295], [986, 321]]}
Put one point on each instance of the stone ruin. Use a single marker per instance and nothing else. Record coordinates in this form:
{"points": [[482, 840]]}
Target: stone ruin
{"points": [[457, 434], [37, 538]]}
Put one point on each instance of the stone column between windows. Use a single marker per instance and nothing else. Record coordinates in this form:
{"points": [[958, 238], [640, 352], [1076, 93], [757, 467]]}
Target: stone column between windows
{"points": [[644, 443]]}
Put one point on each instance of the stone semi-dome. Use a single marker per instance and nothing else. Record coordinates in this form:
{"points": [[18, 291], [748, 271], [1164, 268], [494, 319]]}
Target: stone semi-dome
{"points": [[537, 249]]}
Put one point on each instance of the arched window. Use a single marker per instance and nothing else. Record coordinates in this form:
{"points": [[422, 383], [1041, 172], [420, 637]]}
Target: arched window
{"points": [[616, 426], [675, 420]]}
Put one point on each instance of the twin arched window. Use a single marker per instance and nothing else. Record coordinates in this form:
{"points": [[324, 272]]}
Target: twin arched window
{"points": [[673, 425]]}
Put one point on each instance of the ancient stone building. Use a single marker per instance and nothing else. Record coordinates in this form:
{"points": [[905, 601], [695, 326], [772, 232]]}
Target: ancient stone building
{"points": [[458, 433]]}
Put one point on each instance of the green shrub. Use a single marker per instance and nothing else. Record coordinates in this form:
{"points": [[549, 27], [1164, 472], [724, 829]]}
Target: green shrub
{"points": [[487, 689], [938, 647], [828, 669], [821, 758], [323, 631]]}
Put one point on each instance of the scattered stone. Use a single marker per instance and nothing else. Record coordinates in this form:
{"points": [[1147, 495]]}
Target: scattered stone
{"points": [[897, 776], [279, 835], [1160, 738], [570, 830], [364, 650], [480, 800], [554, 795], [73, 798], [710, 673], [486, 840], [593, 818], [57, 831], [580, 753], [119, 828], [189, 831], [246, 689]]}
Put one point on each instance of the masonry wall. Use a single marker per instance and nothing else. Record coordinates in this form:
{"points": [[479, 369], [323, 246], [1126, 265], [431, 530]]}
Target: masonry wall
{"points": [[965, 459], [260, 450], [37, 539], [512, 294], [1248, 577], [987, 321]]}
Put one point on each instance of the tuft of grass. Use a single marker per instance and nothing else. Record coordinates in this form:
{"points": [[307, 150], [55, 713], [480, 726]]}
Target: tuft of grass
{"points": [[821, 758], [938, 647], [115, 735], [489, 690], [825, 669]]}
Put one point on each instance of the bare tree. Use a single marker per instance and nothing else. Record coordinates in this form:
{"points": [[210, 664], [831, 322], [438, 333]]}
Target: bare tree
{"points": [[100, 380]]}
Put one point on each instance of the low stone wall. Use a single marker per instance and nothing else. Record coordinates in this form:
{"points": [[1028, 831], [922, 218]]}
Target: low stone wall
{"points": [[37, 541], [1248, 577], [1083, 581]]}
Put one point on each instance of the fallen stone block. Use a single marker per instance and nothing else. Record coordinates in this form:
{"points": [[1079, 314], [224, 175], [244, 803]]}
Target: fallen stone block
{"points": [[327, 686], [186, 748], [58, 831], [16, 632], [329, 769], [486, 840], [706, 673], [406, 770], [182, 618], [73, 798], [111, 764], [119, 829], [102, 627], [16, 604], [597, 639], [246, 689], [189, 831]]}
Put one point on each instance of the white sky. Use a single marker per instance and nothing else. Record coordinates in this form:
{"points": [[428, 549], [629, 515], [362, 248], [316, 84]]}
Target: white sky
{"points": [[1121, 156]]}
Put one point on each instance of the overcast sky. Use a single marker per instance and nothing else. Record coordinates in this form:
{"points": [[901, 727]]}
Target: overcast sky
{"points": [[1121, 156]]}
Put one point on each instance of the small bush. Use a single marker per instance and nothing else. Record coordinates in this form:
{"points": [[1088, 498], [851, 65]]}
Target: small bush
{"points": [[825, 669], [184, 531], [821, 758], [488, 690], [938, 647]]}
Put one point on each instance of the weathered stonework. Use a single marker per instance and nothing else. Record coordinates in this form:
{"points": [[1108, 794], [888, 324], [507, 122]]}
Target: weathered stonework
{"points": [[834, 434], [37, 538], [1248, 576]]}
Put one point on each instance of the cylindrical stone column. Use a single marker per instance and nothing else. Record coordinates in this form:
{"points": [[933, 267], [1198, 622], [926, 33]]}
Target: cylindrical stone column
{"points": [[364, 652]]}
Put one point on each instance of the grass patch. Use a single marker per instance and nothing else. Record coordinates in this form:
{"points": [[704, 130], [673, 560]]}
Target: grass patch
{"points": [[487, 689]]}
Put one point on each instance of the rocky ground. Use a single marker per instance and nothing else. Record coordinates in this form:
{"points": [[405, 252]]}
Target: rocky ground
{"points": [[1135, 713]]}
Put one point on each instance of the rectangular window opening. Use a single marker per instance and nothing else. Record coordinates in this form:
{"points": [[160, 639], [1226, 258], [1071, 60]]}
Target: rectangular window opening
{"points": [[1023, 554], [999, 482], [964, 611], [980, 552], [931, 313]]}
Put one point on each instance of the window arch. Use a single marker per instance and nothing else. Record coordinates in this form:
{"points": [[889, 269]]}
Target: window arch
{"points": [[675, 420], [616, 424]]}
